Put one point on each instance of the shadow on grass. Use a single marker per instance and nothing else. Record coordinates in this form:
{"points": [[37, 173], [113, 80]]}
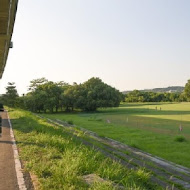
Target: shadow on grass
{"points": [[144, 104], [145, 111], [119, 122], [130, 109]]}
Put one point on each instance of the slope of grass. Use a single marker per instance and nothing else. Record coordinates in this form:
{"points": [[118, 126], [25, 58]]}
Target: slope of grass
{"points": [[60, 161], [142, 126]]}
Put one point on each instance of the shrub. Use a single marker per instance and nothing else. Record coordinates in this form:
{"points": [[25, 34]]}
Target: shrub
{"points": [[180, 139], [134, 145], [94, 119], [70, 122]]}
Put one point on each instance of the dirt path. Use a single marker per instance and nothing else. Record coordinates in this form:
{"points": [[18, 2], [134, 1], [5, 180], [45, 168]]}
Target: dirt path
{"points": [[8, 179], [167, 174]]}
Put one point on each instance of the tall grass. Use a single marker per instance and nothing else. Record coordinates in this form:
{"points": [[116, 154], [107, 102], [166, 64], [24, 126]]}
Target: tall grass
{"points": [[60, 161]]}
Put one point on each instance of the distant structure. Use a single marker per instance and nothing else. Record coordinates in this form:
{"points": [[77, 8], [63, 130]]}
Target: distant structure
{"points": [[170, 89], [8, 9]]}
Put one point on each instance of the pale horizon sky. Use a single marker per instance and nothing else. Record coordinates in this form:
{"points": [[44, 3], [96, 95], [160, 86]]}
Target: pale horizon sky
{"points": [[129, 44]]}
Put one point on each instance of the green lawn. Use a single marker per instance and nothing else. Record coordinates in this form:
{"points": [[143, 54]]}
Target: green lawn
{"points": [[60, 160], [142, 126]]}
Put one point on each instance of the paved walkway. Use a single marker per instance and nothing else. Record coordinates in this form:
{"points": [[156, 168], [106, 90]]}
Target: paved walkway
{"points": [[8, 179]]}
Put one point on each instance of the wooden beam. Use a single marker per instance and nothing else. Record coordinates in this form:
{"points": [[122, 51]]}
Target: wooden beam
{"points": [[4, 14], [10, 17], [4, 37]]}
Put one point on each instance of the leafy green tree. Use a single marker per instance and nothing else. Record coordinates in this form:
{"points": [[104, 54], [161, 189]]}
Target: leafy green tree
{"points": [[27, 102], [63, 86], [91, 95], [36, 82], [10, 98], [75, 97], [187, 90], [45, 95], [139, 96], [101, 95], [53, 92], [182, 97]]}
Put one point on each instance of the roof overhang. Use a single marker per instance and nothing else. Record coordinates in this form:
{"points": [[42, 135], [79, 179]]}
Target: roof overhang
{"points": [[8, 10]]}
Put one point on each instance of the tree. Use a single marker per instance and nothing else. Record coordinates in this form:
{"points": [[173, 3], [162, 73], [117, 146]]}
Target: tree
{"points": [[140, 96], [91, 95], [75, 96], [53, 92], [63, 86], [187, 90], [10, 98], [36, 82], [45, 95]]}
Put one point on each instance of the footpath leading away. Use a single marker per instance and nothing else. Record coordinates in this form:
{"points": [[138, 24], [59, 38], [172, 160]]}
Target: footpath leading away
{"points": [[8, 177]]}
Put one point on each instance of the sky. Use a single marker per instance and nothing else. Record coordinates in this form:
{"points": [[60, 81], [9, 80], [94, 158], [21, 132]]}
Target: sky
{"points": [[129, 44]]}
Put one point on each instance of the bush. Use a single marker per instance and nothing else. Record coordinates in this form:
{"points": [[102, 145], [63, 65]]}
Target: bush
{"points": [[70, 122], [134, 145], [94, 119], [180, 139]]}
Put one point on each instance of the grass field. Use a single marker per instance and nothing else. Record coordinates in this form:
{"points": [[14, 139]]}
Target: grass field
{"points": [[142, 126], [59, 160]]}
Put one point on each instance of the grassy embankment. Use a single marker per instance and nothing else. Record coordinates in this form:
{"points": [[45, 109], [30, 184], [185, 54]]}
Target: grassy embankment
{"points": [[143, 127], [60, 161]]}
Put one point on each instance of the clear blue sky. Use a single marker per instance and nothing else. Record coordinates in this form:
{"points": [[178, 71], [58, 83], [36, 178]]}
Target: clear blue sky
{"points": [[129, 44]]}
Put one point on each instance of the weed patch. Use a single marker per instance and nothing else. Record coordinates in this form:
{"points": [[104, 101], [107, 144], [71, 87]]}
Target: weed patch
{"points": [[70, 122], [180, 139]]}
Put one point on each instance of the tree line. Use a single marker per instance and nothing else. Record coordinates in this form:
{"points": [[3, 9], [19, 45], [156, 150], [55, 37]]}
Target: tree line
{"points": [[44, 95], [139, 96]]}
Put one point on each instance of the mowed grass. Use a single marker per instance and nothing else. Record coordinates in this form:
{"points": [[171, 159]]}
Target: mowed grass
{"points": [[142, 126], [60, 160]]}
